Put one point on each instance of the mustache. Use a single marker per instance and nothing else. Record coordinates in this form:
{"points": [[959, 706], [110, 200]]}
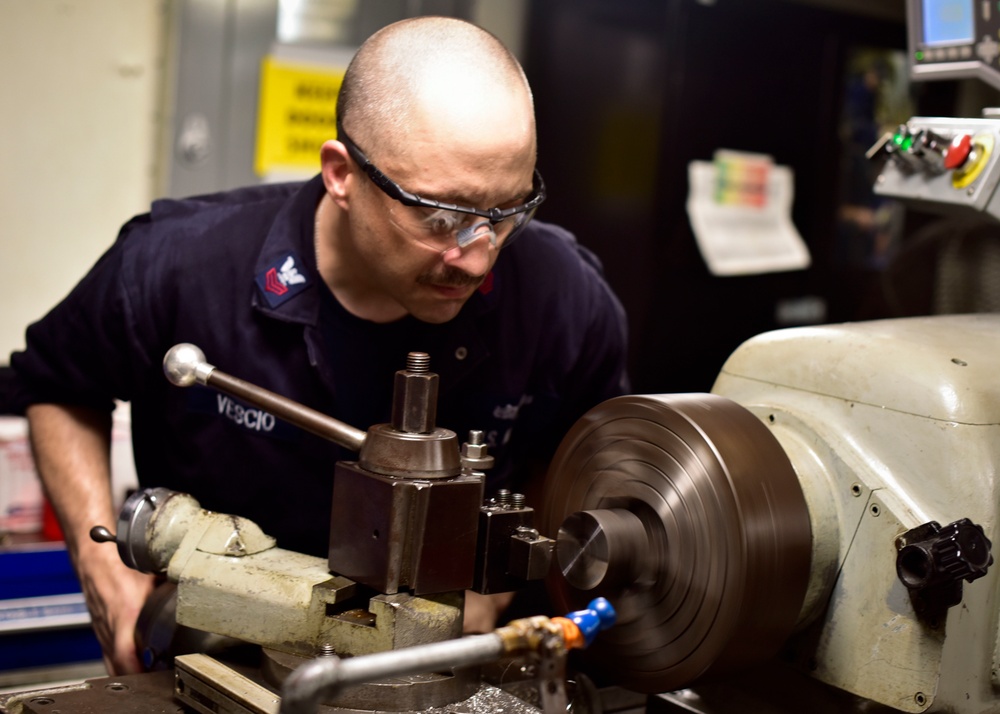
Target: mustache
{"points": [[450, 277]]}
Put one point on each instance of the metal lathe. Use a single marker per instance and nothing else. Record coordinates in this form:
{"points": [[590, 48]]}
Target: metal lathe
{"points": [[815, 532]]}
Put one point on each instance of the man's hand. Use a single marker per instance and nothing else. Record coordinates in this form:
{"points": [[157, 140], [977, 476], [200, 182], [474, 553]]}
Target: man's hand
{"points": [[115, 595], [483, 611]]}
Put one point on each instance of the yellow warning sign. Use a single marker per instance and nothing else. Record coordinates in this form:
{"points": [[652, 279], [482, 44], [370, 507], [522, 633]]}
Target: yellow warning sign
{"points": [[296, 114]]}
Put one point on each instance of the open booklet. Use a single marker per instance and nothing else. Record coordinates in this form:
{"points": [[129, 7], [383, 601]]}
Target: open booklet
{"points": [[740, 206]]}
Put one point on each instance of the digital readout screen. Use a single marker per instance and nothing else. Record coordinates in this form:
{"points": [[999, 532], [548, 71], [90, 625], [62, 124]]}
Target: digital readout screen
{"points": [[948, 21]]}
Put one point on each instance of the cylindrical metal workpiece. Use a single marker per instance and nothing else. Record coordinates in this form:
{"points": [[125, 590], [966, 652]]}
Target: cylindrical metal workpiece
{"points": [[602, 547]]}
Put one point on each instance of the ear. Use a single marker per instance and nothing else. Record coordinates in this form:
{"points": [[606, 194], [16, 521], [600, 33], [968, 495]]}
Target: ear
{"points": [[336, 170]]}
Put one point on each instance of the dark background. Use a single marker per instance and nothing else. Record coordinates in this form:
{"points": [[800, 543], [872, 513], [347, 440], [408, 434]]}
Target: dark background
{"points": [[629, 92]]}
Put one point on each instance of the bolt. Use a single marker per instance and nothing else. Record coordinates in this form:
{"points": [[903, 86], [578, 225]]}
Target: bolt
{"points": [[503, 497], [473, 451], [517, 500], [418, 362], [414, 396]]}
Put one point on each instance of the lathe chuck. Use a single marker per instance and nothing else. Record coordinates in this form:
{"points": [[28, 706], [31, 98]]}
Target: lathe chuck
{"points": [[685, 512]]}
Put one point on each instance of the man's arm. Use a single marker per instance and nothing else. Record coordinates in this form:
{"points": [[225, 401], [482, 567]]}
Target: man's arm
{"points": [[71, 447]]}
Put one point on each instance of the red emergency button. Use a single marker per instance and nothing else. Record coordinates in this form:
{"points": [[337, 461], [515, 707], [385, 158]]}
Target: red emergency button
{"points": [[958, 151]]}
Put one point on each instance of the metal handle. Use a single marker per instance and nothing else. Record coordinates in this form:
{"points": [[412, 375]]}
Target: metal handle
{"points": [[185, 365], [100, 534]]}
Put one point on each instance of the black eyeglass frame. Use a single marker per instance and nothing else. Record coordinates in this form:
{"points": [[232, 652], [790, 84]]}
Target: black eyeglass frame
{"points": [[397, 192]]}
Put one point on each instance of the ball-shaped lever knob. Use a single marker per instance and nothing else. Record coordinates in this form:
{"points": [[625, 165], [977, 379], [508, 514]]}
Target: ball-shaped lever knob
{"points": [[100, 534], [185, 364]]}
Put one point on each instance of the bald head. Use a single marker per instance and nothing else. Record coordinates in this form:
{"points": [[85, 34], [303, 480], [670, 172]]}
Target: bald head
{"points": [[431, 71]]}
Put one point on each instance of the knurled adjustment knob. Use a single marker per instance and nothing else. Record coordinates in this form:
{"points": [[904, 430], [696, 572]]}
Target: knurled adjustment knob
{"points": [[931, 555]]}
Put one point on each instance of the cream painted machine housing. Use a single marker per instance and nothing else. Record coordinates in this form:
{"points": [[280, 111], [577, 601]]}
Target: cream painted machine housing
{"points": [[889, 425]]}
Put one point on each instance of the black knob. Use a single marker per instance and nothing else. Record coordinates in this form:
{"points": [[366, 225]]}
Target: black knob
{"points": [[100, 534], [931, 556], [930, 148]]}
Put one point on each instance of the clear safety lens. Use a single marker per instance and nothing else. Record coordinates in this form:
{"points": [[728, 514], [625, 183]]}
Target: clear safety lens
{"points": [[470, 234], [442, 229]]}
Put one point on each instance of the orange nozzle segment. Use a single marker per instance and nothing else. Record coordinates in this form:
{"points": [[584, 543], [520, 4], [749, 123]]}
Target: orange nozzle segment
{"points": [[572, 635]]}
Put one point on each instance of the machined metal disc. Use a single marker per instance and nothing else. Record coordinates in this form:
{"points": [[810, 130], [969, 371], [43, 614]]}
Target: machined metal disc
{"points": [[685, 512]]}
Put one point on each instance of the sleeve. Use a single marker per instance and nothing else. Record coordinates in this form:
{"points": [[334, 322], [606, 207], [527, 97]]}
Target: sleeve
{"points": [[82, 352]]}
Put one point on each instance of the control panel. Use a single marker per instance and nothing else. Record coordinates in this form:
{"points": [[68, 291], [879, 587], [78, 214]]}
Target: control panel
{"points": [[951, 162], [954, 39]]}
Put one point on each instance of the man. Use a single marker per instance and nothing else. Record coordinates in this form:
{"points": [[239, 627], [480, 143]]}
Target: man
{"points": [[317, 291]]}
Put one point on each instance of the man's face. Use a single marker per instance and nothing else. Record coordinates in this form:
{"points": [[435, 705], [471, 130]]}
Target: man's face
{"points": [[430, 283]]}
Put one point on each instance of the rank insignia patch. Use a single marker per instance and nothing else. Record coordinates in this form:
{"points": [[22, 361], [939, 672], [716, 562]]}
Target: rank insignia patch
{"points": [[282, 280]]}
